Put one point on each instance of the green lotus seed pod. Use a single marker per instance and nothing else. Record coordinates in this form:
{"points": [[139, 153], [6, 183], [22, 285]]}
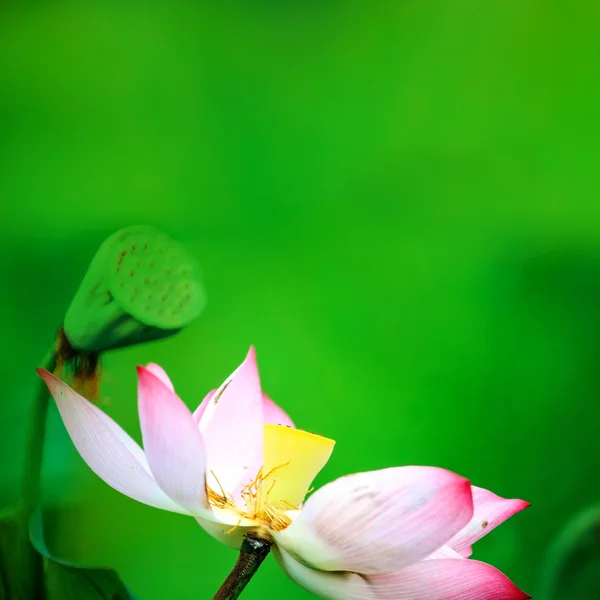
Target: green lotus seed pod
{"points": [[141, 285]]}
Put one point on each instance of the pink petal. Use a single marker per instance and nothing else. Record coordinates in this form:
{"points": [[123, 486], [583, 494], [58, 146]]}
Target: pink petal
{"points": [[231, 531], [159, 372], [444, 552], [379, 521], [106, 448], [232, 426], [274, 414], [172, 442], [466, 552], [489, 512], [200, 410], [446, 579]]}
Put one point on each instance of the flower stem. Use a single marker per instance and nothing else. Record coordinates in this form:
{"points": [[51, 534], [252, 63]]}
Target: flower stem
{"points": [[35, 443], [254, 550]]}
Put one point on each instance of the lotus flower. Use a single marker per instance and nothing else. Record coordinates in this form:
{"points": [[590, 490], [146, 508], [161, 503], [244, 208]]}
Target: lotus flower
{"points": [[238, 464]]}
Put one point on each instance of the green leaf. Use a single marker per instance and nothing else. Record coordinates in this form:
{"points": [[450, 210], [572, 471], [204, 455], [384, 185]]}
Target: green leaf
{"points": [[20, 564], [72, 583], [67, 581]]}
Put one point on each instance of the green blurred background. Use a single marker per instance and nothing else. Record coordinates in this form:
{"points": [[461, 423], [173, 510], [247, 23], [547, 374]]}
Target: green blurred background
{"points": [[396, 202]]}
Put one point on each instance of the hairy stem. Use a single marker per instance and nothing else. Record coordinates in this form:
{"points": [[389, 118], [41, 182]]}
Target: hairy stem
{"points": [[254, 550], [35, 443]]}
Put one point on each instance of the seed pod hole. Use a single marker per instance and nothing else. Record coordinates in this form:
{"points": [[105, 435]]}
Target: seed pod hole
{"points": [[163, 288]]}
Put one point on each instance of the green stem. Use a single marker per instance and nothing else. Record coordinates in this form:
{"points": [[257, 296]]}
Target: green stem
{"points": [[254, 550], [575, 544], [29, 561], [35, 443]]}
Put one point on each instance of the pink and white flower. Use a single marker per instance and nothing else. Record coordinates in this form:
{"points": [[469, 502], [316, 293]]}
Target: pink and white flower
{"points": [[238, 464]]}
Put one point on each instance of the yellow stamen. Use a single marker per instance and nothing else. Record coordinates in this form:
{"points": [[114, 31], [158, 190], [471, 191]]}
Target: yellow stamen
{"points": [[233, 528], [292, 459], [220, 500]]}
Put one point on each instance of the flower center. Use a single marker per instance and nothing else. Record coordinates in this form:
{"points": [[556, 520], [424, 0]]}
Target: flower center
{"points": [[292, 458]]}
